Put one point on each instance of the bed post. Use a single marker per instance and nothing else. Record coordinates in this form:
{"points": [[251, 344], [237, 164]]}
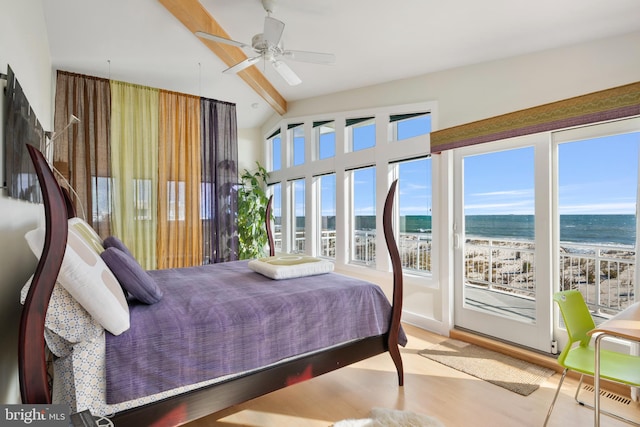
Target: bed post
{"points": [[396, 263], [267, 225], [32, 367], [71, 209]]}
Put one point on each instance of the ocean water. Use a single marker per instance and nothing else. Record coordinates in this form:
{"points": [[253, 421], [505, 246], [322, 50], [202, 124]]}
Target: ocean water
{"points": [[596, 229], [591, 229]]}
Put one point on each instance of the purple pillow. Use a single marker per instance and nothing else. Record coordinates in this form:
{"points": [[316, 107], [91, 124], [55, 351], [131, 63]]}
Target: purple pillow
{"points": [[132, 277], [114, 242]]}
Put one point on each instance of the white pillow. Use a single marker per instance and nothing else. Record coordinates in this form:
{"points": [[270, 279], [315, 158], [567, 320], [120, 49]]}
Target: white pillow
{"points": [[88, 233], [88, 279], [288, 266]]}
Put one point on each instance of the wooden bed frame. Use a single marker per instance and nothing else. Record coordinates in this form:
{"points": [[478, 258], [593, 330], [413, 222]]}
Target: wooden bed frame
{"points": [[185, 407]]}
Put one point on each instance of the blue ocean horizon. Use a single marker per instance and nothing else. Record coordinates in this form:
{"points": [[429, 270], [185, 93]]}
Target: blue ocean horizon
{"points": [[587, 229]]}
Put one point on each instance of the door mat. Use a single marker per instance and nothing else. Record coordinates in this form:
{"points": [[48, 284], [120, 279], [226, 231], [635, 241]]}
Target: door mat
{"points": [[500, 369]]}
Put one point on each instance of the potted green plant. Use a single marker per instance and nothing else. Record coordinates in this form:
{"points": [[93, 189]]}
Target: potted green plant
{"points": [[252, 205]]}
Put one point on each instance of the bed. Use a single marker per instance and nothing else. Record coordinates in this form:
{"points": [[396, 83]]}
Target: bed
{"points": [[272, 365]]}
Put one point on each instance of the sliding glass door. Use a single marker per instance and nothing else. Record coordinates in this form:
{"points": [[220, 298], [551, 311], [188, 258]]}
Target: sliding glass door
{"points": [[596, 216], [543, 213], [500, 286]]}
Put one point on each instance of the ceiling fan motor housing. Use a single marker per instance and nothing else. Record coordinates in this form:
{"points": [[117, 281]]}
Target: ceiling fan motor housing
{"points": [[262, 46], [258, 43]]}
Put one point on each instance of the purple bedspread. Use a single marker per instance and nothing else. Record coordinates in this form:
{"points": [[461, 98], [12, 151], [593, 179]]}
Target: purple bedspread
{"points": [[224, 318]]}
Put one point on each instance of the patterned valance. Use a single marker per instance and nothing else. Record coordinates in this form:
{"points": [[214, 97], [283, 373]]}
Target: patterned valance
{"points": [[615, 103]]}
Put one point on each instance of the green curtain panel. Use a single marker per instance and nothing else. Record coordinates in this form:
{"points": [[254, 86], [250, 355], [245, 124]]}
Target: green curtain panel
{"points": [[134, 169]]}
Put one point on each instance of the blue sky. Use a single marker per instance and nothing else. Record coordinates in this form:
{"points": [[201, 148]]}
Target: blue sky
{"points": [[596, 176]]}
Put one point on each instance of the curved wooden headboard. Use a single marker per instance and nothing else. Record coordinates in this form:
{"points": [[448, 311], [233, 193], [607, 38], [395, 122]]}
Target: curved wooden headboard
{"points": [[32, 367]]}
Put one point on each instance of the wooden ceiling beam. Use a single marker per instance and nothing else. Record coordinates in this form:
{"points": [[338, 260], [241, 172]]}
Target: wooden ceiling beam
{"points": [[195, 17]]}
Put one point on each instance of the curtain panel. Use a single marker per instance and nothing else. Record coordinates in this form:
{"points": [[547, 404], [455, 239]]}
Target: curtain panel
{"points": [[134, 168], [609, 104], [179, 239], [82, 152], [156, 168], [219, 181]]}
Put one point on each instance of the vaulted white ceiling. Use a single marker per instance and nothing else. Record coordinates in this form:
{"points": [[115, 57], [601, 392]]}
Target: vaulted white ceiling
{"points": [[375, 41]]}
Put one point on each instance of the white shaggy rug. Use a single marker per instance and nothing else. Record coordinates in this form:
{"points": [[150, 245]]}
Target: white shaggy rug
{"points": [[381, 417]]}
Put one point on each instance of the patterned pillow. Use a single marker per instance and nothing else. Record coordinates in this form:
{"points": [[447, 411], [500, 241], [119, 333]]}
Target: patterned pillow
{"points": [[132, 276], [89, 281], [65, 319]]}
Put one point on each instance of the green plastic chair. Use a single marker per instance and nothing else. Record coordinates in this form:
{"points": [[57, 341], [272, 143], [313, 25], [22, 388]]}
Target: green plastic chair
{"points": [[579, 355]]}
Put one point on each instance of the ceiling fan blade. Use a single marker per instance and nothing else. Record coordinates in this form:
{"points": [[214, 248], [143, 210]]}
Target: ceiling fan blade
{"points": [[219, 39], [272, 30], [242, 65], [286, 73], [314, 57]]}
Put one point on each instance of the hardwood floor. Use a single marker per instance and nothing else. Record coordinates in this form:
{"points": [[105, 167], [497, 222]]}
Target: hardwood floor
{"points": [[453, 397]]}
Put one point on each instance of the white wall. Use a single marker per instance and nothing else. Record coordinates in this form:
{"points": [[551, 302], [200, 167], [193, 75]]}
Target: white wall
{"points": [[484, 90], [23, 46], [248, 150], [472, 93]]}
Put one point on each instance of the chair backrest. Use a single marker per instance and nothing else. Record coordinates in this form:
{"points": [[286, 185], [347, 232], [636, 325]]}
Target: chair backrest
{"points": [[576, 315]]}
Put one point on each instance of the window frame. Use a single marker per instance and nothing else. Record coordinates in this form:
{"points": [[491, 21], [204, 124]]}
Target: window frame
{"points": [[382, 155]]}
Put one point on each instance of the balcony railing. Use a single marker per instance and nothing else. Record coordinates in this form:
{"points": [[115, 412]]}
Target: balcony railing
{"points": [[364, 247], [500, 265], [604, 274], [415, 251]]}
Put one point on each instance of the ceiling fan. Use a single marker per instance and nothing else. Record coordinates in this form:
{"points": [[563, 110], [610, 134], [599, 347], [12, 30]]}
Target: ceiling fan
{"points": [[268, 46]]}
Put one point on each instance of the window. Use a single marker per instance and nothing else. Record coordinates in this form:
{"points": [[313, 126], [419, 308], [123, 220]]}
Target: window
{"points": [[101, 189], [327, 240], [405, 126], [275, 151], [297, 132], [325, 134], [175, 200], [361, 133], [299, 215], [332, 189], [142, 199], [414, 203], [363, 229], [597, 205]]}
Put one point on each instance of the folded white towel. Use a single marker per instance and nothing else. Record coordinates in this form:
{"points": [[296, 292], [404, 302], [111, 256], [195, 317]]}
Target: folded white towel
{"points": [[288, 266]]}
